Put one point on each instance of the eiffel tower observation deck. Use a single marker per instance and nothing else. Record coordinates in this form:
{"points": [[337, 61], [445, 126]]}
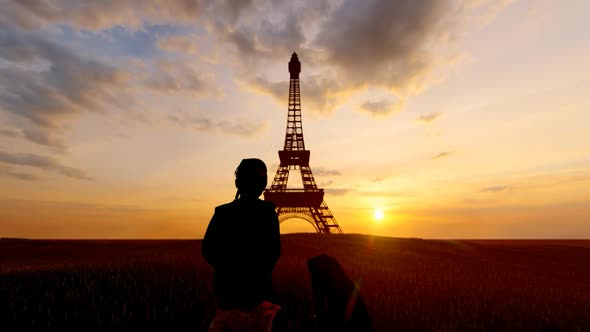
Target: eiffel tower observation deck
{"points": [[306, 203]]}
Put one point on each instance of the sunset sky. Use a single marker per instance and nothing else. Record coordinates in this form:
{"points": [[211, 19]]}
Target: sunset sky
{"points": [[454, 119]]}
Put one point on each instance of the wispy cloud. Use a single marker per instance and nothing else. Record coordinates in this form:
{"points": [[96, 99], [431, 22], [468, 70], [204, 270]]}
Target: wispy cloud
{"points": [[443, 154], [42, 162], [70, 85], [202, 123], [180, 44], [77, 205], [494, 189], [428, 118], [382, 107], [337, 191], [38, 135], [19, 175], [99, 15], [10, 132], [45, 83], [179, 77], [43, 137], [321, 171]]}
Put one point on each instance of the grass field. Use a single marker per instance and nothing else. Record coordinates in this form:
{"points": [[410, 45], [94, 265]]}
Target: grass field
{"points": [[407, 284]]}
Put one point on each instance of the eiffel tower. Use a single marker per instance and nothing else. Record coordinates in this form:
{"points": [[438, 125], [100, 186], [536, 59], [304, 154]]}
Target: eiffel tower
{"points": [[308, 202]]}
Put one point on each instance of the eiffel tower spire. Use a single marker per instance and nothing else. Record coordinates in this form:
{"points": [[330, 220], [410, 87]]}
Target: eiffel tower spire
{"points": [[308, 202], [294, 136]]}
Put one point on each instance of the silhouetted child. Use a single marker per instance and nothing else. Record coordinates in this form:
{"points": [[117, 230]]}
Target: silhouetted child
{"points": [[242, 242]]}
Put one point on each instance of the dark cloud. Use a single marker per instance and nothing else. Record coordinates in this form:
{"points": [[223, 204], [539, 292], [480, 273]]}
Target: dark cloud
{"points": [[16, 13], [42, 162], [233, 9], [428, 118], [326, 172], [381, 107], [261, 39], [45, 83], [205, 124], [350, 44], [384, 42], [494, 189], [43, 137], [320, 93], [279, 90], [19, 175], [10, 132], [245, 44], [166, 77], [443, 154], [35, 134], [282, 37], [98, 15]]}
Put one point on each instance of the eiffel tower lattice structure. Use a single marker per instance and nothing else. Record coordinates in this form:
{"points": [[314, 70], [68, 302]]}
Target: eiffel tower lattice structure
{"points": [[308, 202]]}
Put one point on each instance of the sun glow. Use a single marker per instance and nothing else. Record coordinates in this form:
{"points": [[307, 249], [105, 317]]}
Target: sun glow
{"points": [[378, 214]]}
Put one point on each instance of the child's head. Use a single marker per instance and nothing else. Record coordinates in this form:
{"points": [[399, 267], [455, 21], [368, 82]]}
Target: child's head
{"points": [[251, 178]]}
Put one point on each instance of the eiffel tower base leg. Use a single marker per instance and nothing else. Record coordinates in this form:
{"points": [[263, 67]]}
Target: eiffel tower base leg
{"points": [[321, 218]]}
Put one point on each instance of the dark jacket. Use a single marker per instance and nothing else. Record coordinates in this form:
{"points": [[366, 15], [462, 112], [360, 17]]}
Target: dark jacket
{"points": [[242, 244]]}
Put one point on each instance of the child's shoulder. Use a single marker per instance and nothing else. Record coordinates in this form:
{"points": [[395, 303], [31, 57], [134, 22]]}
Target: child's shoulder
{"points": [[225, 207], [233, 205]]}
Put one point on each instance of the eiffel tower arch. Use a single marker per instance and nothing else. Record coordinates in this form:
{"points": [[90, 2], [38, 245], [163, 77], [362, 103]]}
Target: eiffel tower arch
{"points": [[308, 202]]}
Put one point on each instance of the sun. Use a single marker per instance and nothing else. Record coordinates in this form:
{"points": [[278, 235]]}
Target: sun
{"points": [[378, 214]]}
